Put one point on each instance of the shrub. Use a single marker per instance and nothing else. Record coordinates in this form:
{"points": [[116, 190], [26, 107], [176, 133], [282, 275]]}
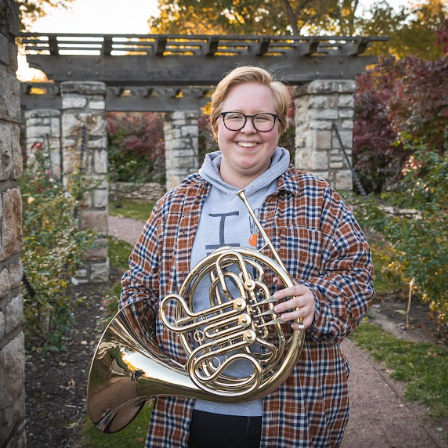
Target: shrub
{"points": [[376, 159], [136, 147], [420, 244], [52, 252], [405, 97], [420, 104]]}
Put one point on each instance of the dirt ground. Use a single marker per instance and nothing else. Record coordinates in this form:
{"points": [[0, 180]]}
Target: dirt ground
{"points": [[56, 382]]}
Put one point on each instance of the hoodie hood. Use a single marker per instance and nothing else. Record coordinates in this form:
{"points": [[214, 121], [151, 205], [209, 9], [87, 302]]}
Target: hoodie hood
{"points": [[210, 172]]}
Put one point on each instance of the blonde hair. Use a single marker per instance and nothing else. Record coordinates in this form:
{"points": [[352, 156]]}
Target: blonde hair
{"points": [[245, 74]]}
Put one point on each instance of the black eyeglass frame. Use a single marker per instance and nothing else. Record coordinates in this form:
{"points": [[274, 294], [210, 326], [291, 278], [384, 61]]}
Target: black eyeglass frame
{"points": [[223, 115]]}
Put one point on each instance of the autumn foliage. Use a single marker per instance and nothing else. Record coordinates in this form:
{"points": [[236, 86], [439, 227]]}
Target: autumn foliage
{"points": [[399, 101], [136, 146], [401, 151]]}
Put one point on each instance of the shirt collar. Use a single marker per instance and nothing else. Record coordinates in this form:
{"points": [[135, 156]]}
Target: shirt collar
{"points": [[288, 181]]}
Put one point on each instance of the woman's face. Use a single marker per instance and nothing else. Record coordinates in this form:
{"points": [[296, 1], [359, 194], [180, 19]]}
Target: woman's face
{"points": [[246, 153]]}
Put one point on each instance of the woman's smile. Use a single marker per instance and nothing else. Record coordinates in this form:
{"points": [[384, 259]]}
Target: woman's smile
{"points": [[247, 144]]}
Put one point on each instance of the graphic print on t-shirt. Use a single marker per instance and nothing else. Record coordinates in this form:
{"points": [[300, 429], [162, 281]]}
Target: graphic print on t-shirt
{"points": [[222, 223], [253, 239]]}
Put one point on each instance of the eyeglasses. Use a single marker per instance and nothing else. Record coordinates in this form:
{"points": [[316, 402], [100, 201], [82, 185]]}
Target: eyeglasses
{"points": [[234, 121]]}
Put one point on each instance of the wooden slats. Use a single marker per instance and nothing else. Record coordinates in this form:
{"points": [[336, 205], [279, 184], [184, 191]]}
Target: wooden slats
{"points": [[107, 46], [184, 45], [186, 60]]}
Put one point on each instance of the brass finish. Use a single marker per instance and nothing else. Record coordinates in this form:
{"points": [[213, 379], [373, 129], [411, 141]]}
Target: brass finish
{"points": [[129, 368]]}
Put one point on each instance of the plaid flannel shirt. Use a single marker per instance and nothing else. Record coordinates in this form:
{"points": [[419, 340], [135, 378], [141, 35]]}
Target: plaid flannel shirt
{"points": [[322, 246]]}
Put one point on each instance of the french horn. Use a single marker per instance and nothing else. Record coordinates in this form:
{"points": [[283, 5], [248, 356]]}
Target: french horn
{"points": [[129, 368]]}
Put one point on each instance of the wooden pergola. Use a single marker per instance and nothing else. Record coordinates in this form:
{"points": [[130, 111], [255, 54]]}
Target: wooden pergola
{"points": [[147, 72]]}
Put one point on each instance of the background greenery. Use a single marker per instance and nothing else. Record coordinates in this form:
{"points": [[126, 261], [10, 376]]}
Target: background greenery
{"points": [[134, 209], [53, 247], [135, 147]]}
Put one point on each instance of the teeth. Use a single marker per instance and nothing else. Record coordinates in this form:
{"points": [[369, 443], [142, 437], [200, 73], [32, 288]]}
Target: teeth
{"points": [[247, 144]]}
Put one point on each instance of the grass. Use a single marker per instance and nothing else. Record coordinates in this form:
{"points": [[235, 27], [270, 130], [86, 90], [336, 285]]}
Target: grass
{"points": [[131, 208], [422, 366], [119, 252], [132, 436]]}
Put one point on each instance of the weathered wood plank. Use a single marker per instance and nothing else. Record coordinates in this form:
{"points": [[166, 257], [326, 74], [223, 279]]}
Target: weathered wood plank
{"points": [[122, 98], [193, 70]]}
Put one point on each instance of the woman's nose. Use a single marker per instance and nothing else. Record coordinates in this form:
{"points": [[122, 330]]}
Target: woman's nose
{"points": [[249, 126]]}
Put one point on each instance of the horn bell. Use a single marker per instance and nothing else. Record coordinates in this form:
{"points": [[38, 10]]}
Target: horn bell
{"points": [[128, 369]]}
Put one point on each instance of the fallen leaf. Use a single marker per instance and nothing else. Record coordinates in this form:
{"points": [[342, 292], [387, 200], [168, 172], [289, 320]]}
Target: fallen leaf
{"points": [[70, 384]]}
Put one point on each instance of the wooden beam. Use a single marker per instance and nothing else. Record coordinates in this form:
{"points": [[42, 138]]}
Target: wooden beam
{"points": [[154, 104], [261, 47], [307, 48], [194, 70], [140, 99], [356, 47]]}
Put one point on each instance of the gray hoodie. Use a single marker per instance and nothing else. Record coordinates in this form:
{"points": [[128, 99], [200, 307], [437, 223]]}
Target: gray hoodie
{"points": [[225, 221]]}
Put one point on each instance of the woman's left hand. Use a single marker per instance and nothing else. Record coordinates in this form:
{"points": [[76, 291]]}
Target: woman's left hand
{"points": [[300, 305]]}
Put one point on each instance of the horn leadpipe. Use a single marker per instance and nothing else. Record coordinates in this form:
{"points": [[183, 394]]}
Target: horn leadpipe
{"points": [[242, 195]]}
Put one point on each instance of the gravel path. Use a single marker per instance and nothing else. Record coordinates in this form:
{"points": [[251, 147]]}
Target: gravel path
{"points": [[125, 229], [380, 417]]}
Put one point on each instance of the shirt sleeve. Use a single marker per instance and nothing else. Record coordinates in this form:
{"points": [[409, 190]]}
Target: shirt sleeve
{"points": [[141, 281], [344, 289]]}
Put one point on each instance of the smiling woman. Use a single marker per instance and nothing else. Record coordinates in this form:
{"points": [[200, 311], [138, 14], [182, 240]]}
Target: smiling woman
{"points": [[248, 145], [329, 289]]}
